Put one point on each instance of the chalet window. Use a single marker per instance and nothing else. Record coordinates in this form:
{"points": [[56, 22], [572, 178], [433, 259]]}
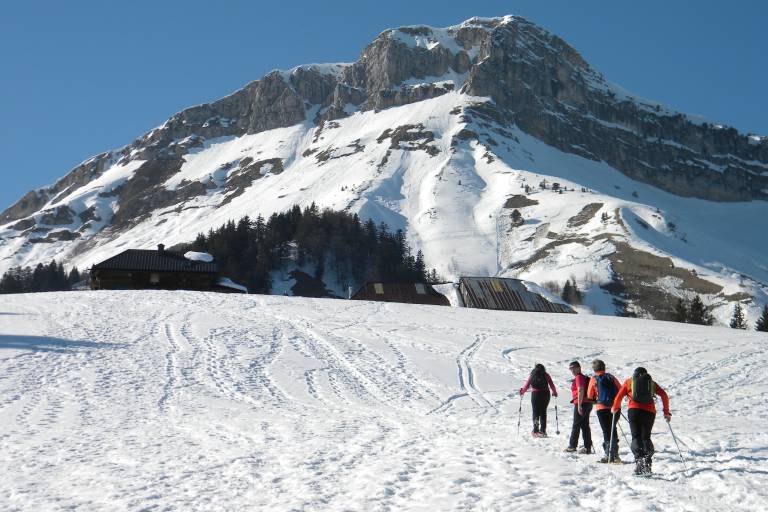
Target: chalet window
{"points": [[154, 278], [421, 289], [378, 288]]}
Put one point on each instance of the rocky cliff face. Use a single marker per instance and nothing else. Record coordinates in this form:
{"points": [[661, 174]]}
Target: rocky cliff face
{"points": [[554, 95]]}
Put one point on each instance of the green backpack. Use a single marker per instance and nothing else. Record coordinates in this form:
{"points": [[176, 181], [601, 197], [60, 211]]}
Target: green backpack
{"points": [[643, 388]]}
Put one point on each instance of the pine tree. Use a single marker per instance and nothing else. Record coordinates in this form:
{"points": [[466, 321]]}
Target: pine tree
{"points": [[571, 293], [681, 312], [762, 322], [698, 313], [738, 321], [578, 294]]}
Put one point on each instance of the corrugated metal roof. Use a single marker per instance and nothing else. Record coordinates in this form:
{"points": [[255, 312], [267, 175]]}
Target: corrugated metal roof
{"points": [[505, 294], [409, 293], [154, 261]]}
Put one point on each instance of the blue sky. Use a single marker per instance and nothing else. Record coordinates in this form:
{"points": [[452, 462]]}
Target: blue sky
{"points": [[78, 78]]}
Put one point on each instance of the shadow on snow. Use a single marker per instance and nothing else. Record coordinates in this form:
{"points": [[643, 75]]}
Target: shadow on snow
{"points": [[47, 344]]}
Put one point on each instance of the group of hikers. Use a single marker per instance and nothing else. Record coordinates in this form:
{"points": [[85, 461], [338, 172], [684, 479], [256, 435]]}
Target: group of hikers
{"points": [[606, 394]]}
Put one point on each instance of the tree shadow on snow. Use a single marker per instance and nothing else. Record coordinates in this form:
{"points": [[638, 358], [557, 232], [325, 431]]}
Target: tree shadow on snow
{"points": [[48, 344]]}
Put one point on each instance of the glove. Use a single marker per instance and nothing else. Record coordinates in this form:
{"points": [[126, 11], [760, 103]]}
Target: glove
{"points": [[554, 394], [522, 392], [668, 416]]}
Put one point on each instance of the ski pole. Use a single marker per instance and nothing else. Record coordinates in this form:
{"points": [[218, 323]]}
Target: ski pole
{"points": [[557, 421], [678, 447], [613, 431], [626, 439], [519, 415]]}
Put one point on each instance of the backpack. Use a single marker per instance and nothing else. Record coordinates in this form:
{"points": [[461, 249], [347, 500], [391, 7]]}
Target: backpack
{"points": [[606, 389], [539, 380], [643, 388]]}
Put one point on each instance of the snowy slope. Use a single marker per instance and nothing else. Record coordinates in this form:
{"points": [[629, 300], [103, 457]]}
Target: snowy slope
{"points": [[194, 401]]}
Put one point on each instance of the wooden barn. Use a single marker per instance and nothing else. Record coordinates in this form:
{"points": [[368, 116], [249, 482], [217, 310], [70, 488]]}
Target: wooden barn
{"points": [[505, 294], [409, 293], [161, 270]]}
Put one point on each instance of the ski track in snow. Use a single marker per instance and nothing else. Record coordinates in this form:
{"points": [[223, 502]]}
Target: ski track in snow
{"points": [[195, 401]]}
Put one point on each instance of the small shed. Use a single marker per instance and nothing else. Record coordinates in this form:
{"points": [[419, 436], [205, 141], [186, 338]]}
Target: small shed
{"points": [[162, 270], [507, 295], [409, 293]]}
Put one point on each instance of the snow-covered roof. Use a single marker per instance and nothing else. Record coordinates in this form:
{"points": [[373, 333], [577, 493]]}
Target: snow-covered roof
{"points": [[228, 283], [198, 256]]}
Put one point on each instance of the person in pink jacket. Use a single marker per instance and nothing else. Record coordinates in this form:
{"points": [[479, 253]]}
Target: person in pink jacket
{"points": [[539, 383]]}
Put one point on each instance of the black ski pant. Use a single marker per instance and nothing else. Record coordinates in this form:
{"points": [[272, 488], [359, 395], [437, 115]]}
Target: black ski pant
{"points": [[608, 424], [539, 404], [581, 426], [641, 424]]}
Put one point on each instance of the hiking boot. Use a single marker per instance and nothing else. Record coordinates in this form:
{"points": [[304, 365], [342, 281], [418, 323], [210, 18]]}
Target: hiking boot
{"points": [[586, 450], [616, 460], [569, 450], [543, 434], [642, 468]]}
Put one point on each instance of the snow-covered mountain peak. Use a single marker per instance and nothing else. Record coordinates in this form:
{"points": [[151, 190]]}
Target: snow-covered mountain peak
{"points": [[442, 132]]}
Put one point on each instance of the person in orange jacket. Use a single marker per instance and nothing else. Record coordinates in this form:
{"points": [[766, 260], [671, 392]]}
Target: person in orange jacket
{"points": [[602, 390], [641, 390]]}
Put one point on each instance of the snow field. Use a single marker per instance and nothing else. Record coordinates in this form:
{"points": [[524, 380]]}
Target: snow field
{"points": [[202, 401]]}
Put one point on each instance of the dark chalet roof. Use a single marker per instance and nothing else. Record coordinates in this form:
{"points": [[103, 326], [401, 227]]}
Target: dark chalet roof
{"points": [[136, 260]]}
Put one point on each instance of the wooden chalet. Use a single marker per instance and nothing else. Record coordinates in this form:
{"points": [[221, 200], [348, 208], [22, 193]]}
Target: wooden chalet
{"points": [[409, 293], [505, 294], [160, 270]]}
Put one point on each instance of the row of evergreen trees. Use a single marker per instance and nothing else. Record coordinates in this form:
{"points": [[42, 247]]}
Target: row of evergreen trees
{"points": [[248, 250], [695, 312], [43, 278]]}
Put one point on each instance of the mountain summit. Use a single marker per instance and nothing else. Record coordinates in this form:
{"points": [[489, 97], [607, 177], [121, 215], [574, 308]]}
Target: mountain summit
{"points": [[445, 133]]}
